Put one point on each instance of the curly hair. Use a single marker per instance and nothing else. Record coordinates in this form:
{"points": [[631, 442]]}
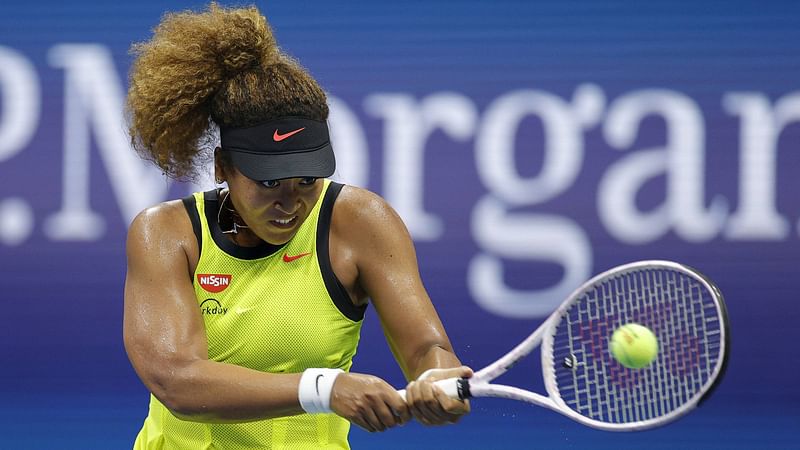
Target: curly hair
{"points": [[204, 70]]}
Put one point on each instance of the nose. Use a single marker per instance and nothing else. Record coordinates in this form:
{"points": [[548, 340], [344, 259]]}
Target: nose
{"points": [[288, 200]]}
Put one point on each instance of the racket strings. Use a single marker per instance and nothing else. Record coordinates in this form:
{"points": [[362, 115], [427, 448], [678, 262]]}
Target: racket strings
{"points": [[681, 313]]}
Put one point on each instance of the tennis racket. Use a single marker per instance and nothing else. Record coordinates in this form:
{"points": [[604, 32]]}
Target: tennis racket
{"points": [[683, 308]]}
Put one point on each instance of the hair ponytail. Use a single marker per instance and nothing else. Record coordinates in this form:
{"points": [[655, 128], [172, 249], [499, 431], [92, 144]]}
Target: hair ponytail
{"points": [[177, 75]]}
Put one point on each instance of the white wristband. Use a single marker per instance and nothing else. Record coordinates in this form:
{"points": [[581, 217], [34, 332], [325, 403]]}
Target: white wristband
{"points": [[315, 389]]}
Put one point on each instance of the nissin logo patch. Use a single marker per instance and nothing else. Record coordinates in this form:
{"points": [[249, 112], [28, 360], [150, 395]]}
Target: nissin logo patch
{"points": [[213, 282]]}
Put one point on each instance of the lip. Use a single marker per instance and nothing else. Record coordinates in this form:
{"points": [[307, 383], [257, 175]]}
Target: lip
{"points": [[292, 221]]}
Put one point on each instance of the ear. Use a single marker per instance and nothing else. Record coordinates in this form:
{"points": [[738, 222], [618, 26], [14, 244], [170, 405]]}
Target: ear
{"points": [[220, 176]]}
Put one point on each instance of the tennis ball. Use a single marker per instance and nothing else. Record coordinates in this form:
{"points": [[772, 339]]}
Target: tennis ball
{"points": [[634, 345]]}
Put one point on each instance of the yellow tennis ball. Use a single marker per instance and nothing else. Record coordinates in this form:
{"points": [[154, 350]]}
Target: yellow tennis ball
{"points": [[634, 345]]}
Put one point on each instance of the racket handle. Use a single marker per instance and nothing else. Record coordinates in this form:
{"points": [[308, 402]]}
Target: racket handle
{"points": [[453, 387]]}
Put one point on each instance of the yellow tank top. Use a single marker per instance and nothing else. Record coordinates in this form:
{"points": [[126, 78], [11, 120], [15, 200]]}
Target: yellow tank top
{"points": [[277, 309]]}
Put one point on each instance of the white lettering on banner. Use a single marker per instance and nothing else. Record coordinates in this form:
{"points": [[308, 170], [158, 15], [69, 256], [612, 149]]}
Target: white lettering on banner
{"points": [[682, 159], [349, 143], [19, 117], [563, 145], [407, 126], [22, 100], [93, 114], [531, 237], [16, 221], [757, 217], [93, 100], [524, 237]]}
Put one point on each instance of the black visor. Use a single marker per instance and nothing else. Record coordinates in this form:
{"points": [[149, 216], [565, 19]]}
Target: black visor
{"points": [[289, 147]]}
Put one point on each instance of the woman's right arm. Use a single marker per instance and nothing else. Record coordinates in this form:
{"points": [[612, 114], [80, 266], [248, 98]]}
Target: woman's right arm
{"points": [[166, 342], [165, 337]]}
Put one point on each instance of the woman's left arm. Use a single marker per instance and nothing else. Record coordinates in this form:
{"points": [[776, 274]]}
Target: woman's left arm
{"points": [[386, 261]]}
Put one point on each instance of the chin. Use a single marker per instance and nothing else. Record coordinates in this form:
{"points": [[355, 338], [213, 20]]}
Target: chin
{"points": [[279, 237]]}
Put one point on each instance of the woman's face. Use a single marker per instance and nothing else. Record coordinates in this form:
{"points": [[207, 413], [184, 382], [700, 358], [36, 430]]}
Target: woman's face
{"points": [[274, 210]]}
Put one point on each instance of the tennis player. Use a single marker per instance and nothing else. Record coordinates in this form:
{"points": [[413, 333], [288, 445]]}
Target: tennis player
{"points": [[243, 304]]}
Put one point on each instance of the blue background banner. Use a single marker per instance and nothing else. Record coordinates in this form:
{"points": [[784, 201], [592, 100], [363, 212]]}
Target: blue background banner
{"points": [[527, 146]]}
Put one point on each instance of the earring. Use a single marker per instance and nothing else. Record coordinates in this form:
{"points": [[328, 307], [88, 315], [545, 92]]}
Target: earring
{"points": [[234, 228]]}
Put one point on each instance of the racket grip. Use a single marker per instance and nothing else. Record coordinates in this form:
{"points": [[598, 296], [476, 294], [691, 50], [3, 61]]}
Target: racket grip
{"points": [[452, 387]]}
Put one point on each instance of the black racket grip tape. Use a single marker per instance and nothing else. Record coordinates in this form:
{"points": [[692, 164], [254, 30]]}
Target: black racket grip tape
{"points": [[463, 389]]}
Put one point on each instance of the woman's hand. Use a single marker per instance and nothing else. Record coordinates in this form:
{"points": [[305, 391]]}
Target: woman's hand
{"points": [[431, 406], [368, 402]]}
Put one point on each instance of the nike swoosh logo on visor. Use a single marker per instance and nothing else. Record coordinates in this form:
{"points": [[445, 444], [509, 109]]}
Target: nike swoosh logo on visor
{"points": [[277, 137]]}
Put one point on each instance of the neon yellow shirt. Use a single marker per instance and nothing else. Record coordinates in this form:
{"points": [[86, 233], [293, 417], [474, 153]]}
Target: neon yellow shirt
{"points": [[277, 309]]}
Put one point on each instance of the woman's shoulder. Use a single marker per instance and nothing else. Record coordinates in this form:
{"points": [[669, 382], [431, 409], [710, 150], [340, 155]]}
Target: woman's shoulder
{"points": [[161, 246], [164, 221], [164, 213], [356, 203], [361, 214]]}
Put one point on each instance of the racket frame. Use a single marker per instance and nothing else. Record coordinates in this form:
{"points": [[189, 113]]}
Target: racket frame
{"points": [[479, 385]]}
